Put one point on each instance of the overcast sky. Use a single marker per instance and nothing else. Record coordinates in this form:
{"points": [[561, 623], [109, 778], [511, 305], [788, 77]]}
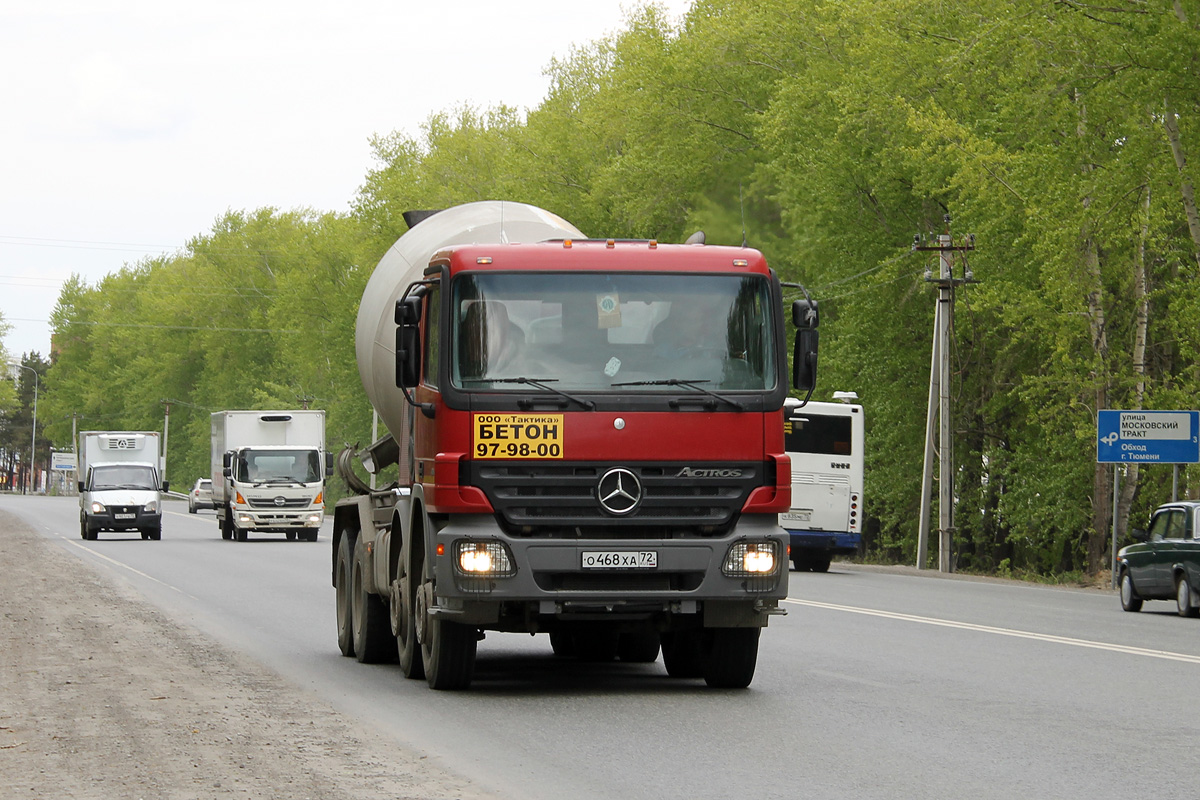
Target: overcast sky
{"points": [[128, 127]]}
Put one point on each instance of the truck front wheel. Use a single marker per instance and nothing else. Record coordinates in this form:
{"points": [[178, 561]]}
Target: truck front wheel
{"points": [[447, 648], [730, 655]]}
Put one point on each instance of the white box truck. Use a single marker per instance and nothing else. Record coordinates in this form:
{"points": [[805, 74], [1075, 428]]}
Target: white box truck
{"points": [[268, 473], [119, 483]]}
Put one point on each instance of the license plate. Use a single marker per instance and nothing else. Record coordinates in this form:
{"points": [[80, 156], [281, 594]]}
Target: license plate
{"points": [[619, 559], [124, 516], [797, 516]]}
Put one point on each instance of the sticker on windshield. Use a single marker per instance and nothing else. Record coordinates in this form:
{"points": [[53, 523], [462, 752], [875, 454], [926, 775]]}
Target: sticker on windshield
{"points": [[518, 435]]}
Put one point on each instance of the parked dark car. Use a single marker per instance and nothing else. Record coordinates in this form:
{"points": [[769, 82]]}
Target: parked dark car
{"points": [[1165, 561], [201, 496]]}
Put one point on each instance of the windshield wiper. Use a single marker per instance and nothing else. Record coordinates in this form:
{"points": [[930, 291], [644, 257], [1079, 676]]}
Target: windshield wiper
{"points": [[540, 383], [276, 480], [691, 384]]}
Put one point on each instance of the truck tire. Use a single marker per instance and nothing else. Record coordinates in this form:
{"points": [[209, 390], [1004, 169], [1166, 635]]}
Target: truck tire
{"points": [[730, 656], [404, 623], [562, 642], [447, 648], [241, 534], [83, 529], [596, 643], [373, 641], [154, 533], [821, 563], [683, 653], [341, 590], [226, 524], [638, 647]]}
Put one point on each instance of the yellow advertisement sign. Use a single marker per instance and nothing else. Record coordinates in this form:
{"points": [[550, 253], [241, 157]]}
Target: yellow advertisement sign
{"points": [[518, 435]]}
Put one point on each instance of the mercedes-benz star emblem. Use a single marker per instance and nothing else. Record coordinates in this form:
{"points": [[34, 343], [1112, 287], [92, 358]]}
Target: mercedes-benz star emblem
{"points": [[619, 491]]}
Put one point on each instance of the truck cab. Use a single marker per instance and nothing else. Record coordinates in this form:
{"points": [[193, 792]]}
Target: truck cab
{"points": [[121, 485], [268, 473]]}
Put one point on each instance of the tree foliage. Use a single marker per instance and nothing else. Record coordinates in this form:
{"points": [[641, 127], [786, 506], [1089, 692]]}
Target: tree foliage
{"points": [[826, 134]]}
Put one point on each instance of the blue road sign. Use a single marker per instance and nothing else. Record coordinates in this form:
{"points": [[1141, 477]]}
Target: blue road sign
{"points": [[1154, 437]]}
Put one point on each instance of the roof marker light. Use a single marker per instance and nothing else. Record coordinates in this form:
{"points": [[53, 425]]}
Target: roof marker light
{"points": [[483, 260], [654, 244], [741, 262], [610, 244], [566, 244]]}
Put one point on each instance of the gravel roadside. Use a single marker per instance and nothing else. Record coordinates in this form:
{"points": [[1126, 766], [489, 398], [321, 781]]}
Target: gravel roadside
{"points": [[103, 697]]}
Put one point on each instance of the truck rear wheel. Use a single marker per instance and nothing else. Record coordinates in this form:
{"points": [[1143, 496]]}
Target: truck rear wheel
{"points": [[730, 656], [447, 648], [404, 624], [341, 587], [638, 647], [373, 642], [683, 653]]}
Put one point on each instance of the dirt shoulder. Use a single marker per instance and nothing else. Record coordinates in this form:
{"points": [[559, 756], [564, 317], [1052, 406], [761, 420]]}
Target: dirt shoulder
{"points": [[102, 696]]}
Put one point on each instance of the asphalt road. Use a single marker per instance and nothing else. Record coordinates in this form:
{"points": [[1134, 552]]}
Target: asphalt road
{"points": [[876, 685]]}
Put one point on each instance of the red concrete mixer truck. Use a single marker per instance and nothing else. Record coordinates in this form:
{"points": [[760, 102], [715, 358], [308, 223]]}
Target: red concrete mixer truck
{"points": [[587, 442]]}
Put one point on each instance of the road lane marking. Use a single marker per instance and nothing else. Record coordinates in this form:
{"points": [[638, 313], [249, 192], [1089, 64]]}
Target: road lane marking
{"points": [[123, 565], [968, 626]]}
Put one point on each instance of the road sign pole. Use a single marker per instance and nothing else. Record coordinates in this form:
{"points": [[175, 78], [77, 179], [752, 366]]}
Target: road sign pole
{"points": [[1116, 494]]}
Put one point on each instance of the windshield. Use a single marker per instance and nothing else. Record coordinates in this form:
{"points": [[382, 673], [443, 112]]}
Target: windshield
{"points": [[613, 332], [278, 466], [124, 476]]}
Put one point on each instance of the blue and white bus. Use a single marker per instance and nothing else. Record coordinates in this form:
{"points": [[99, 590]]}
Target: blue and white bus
{"points": [[825, 443]]}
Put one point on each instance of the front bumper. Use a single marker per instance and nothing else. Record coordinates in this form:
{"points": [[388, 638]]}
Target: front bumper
{"points": [[832, 542], [549, 577], [278, 521], [124, 518]]}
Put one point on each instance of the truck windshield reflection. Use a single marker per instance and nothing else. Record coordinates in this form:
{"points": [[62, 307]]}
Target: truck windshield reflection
{"points": [[617, 333]]}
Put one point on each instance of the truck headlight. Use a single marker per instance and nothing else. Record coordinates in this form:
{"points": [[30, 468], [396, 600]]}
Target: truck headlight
{"points": [[314, 520], [97, 508], [489, 558], [151, 507], [751, 559], [245, 519]]}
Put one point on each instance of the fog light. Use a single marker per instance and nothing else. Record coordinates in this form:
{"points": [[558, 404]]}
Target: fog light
{"points": [[483, 558], [750, 559], [245, 520], [314, 520]]}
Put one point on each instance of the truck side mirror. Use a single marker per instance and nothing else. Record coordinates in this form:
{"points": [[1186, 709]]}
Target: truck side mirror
{"points": [[166, 486], [227, 460], [79, 484], [408, 309], [408, 356], [227, 472], [804, 355], [328, 463]]}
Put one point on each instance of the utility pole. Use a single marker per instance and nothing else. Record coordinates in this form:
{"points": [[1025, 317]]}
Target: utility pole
{"points": [[162, 477], [939, 390]]}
